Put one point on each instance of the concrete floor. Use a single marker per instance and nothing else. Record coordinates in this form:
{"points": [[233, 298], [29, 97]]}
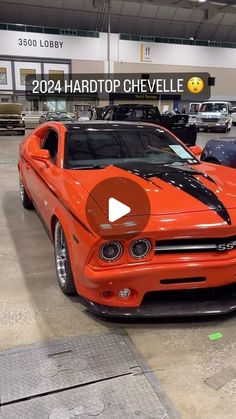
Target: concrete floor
{"points": [[32, 309]]}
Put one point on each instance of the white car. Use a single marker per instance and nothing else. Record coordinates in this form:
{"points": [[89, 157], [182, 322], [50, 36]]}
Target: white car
{"points": [[193, 111], [234, 115], [31, 118], [11, 118], [215, 115]]}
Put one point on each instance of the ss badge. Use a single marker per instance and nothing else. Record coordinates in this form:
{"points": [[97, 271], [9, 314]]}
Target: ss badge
{"points": [[225, 246]]}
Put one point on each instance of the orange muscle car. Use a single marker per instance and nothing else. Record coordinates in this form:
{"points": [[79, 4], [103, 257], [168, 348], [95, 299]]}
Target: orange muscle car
{"points": [[140, 226]]}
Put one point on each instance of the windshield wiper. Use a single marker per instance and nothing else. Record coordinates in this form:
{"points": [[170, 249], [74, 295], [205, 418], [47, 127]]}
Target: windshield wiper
{"points": [[182, 162], [94, 166]]}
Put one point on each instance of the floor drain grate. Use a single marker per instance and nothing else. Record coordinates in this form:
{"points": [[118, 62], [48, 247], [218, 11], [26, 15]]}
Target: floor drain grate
{"points": [[88, 376]]}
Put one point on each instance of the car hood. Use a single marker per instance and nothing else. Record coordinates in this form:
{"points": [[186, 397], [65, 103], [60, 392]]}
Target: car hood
{"points": [[172, 189], [10, 108]]}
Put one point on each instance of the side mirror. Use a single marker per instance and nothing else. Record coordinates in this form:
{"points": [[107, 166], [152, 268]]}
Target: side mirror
{"points": [[196, 150], [41, 155]]}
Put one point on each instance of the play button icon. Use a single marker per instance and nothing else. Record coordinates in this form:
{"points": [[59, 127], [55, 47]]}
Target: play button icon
{"points": [[118, 207], [117, 210]]}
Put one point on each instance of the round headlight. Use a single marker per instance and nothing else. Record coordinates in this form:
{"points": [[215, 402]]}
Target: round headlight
{"points": [[111, 251], [140, 248]]}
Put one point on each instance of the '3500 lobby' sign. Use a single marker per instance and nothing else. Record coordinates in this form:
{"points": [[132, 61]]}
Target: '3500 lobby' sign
{"points": [[28, 42]]}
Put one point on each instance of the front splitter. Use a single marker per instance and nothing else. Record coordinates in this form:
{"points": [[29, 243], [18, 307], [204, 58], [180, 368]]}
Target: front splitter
{"points": [[224, 303]]}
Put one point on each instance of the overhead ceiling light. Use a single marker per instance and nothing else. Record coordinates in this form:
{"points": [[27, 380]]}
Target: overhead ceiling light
{"points": [[202, 1]]}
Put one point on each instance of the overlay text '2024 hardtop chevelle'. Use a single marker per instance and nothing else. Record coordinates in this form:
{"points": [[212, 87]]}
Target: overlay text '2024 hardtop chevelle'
{"points": [[140, 226]]}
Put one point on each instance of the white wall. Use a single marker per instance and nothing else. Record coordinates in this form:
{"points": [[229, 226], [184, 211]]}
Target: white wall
{"points": [[40, 45], [184, 55], [90, 55], [83, 48]]}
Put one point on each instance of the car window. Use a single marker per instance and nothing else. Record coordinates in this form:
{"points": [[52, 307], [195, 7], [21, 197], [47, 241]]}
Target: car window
{"points": [[108, 115], [127, 113], [51, 143], [110, 145], [213, 107]]}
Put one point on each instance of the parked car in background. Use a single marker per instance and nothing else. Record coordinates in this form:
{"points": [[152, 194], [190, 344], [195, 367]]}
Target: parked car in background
{"points": [[234, 115], [56, 116], [215, 115], [83, 112], [31, 118], [220, 151], [193, 111], [11, 118], [176, 123]]}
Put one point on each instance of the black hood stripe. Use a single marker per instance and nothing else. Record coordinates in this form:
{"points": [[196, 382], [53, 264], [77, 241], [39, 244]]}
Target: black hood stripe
{"points": [[187, 183], [182, 178]]}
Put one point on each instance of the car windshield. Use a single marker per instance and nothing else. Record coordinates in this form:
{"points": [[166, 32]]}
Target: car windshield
{"points": [[62, 116], [127, 113], [213, 107], [90, 147]]}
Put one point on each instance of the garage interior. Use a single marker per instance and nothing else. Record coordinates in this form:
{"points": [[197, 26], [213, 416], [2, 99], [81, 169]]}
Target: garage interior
{"points": [[117, 369]]}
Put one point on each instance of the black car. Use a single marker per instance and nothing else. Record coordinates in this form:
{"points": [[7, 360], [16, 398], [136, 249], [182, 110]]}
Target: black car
{"points": [[176, 123]]}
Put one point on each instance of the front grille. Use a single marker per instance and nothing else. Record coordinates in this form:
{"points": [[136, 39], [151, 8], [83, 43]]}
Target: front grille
{"points": [[189, 295], [195, 245], [210, 119], [9, 123]]}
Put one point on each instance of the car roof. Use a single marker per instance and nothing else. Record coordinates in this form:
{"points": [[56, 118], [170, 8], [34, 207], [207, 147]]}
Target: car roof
{"points": [[215, 101], [104, 124], [133, 105]]}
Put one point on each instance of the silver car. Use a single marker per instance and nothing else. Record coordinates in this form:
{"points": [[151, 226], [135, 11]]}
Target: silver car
{"points": [[215, 115]]}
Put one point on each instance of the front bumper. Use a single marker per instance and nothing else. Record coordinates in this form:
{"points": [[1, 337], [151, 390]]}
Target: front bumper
{"points": [[12, 128], [207, 302], [211, 125]]}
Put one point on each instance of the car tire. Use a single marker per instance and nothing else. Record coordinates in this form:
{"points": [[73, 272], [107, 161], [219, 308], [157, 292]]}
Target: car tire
{"points": [[62, 259], [24, 197], [226, 128]]}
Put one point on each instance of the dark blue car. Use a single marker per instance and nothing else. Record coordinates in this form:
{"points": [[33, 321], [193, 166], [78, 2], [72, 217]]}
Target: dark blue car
{"points": [[221, 151]]}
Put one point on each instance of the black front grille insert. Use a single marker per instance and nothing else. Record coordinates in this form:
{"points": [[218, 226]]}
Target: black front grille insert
{"points": [[182, 280], [210, 119], [9, 124], [188, 296], [195, 245]]}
